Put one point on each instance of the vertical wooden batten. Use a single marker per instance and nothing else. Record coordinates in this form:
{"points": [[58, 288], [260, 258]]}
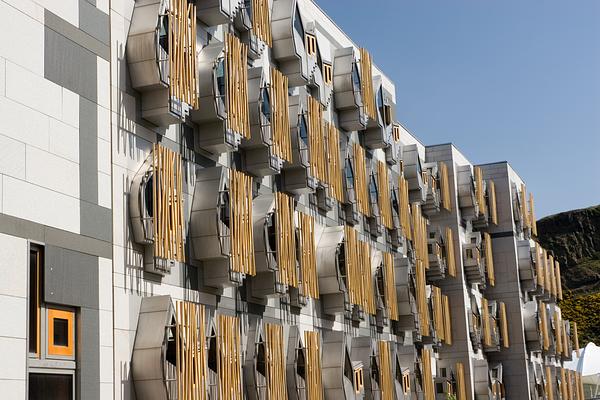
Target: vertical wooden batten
{"points": [[336, 185], [316, 139], [261, 24], [229, 357], [390, 286], [314, 382], [366, 82], [360, 180], [385, 204], [280, 125], [308, 256], [286, 239], [190, 339], [182, 52], [242, 237], [445, 186]]}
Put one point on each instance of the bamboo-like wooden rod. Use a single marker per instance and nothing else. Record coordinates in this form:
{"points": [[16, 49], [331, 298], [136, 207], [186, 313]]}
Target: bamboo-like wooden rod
{"points": [[182, 52], [261, 24], [485, 316], [229, 358], [504, 325], [358, 267], [580, 393], [524, 212], [550, 269], [385, 368], [167, 207], [242, 237], [544, 325], [404, 207], [569, 376], [461, 389], [558, 280], [396, 131], [314, 385], [366, 82], [316, 139], [539, 264], [360, 180], [421, 294], [558, 332], [280, 124], [438, 312], [479, 191], [428, 389], [390, 286], [236, 61], [336, 185], [489, 258], [385, 203], [532, 215], [566, 339], [563, 385], [492, 199], [549, 386], [450, 256], [286, 239], [447, 320], [308, 256], [445, 186], [368, 293], [275, 360]]}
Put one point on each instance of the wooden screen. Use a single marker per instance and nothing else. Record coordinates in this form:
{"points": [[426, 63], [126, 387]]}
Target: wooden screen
{"points": [[566, 338], [242, 237], [286, 239], [544, 325], [569, 376], [314, 385], [489, 258], [558, 333], [447, 320], [492, 198], [504, 325], [575, 338], [539, 264], [390, 286], [479, 191], [445, 186], [580, 393], [563, 385], [182, 52], [308, 256], [229, 365], [167, 204], [532, 215], [260, 21], [438, 312], [275, 359], [360, 179], [550, 269], [385, 203], [280, 122], [316, 139], [429, 393], [420, 234], [190, 340], [461, 388], [524, 212], [385, 368], [368, 294], [485, 316], [336, 185], [549, 387], [558, 280], [404, 207], [366, 84], [238, 115], [421, 294], [450, 258]]}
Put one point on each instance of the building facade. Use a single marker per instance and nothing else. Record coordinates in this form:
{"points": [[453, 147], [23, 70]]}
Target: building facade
{"points": [[214, 199]]}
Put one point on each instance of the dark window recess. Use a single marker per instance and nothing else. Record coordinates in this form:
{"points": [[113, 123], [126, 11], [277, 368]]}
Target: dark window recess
{"points": [[303, 130], [61, 332], [220, 75], [50, 387], [35, 295], [265, 106], [163, 33]]}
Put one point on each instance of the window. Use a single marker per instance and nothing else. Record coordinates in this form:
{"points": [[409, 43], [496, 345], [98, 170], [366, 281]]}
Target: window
{"points": [[50, 386], [311, 44], [35, 296], [61, 333], [396, 132], [327, 74], [406, 382], [469, 253], [358, 380]]}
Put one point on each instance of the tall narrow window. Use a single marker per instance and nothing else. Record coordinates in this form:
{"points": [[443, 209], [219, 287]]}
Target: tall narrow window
{"points": [[61, 333], [35, 295]]}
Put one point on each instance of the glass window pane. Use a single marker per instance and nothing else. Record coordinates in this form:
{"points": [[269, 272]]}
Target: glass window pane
{"points": [[50, 387], [61, 332]]}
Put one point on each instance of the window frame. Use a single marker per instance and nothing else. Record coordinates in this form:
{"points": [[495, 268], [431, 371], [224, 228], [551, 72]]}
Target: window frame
{"points": [[54, 350]]}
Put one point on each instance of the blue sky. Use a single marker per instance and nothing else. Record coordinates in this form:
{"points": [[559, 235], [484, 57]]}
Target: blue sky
{"points": [[514, 80]]}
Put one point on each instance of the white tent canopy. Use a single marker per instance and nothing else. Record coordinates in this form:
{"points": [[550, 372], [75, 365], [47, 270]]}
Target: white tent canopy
{"points": [[588, 365]]}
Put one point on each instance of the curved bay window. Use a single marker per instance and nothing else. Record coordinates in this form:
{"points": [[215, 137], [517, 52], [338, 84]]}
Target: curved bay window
{"points": [[347, 85], [160, 29]]}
